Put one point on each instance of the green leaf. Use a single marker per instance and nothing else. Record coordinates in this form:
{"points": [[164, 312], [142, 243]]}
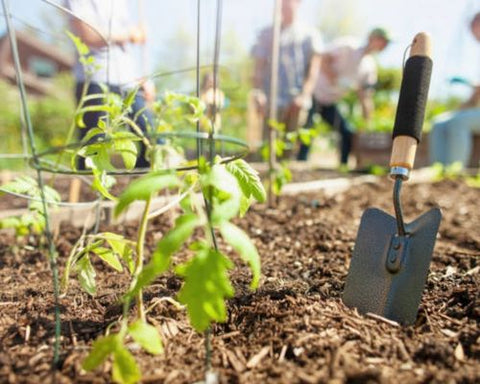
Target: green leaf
{"points": [[473, 181], [227, 194], [30, 222], [305, 136], [244, 205], [186, 203], [121, 247], [36, 222], [377, 170], [248, 179], [124, 370], [147, 275], [98, 153], [35, 207], [92, 132], [80, 46], [23, 185], [130, 98], [276, 125], [93, 96], [124, 143], [203, 165], [282, 176], [147, 336], [79, 120], [174, 239], [24, 224], [169, 244], [86, 275], [437, 169], [115, 104], [291, 137], [51, 195], [10, 222], [101, 349], [142, 188], [280, 147], [240, 241], [94, 108], [102, 183], [109, 257], [206, 287], [265, 152]]}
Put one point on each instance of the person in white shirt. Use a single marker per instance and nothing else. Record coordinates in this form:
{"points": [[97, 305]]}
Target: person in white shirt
{"points": [[345, 65], [116, 67]]}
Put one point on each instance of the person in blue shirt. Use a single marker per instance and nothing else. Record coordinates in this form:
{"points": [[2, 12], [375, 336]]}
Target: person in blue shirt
{"points": [[299, 61], [450, 140]]}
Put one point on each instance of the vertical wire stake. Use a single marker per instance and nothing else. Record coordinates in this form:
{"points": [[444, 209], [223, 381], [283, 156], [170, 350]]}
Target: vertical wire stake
{"points": [[272, 134], [197, 81], [199, 154], [398, 206], [41, 185], [210, 377]]}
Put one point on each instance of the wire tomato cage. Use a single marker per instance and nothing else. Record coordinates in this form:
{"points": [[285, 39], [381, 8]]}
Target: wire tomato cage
{"points": [[207, 144]]}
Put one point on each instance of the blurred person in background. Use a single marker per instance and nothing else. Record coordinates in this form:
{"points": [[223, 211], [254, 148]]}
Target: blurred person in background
{"points": [[112, 19], [346, 65], [214, 100], [299, 61], [450, 140]]}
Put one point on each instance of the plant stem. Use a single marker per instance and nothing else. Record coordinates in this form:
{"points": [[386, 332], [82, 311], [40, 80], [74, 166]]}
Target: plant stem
{"points": [[137, 130], [70, 261], [140, 255], [208, 349]]}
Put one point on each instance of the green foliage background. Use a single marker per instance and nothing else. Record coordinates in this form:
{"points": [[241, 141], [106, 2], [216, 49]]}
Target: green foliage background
{"points": [[50, 115]]}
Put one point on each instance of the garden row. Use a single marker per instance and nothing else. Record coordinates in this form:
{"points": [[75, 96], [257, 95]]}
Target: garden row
{"points": [[294, 328]]}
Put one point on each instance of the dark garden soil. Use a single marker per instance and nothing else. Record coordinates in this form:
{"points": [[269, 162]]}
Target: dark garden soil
{"points": [[294, 328]]}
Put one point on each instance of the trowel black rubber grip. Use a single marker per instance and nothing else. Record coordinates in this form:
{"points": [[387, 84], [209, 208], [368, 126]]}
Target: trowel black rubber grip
{"points": [[413, 97]]}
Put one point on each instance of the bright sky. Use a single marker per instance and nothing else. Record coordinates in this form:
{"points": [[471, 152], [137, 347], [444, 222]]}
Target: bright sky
{"points": [[455, 52]]}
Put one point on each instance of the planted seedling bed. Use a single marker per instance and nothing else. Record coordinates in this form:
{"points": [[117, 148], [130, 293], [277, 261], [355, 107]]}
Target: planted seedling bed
{"points": [[294, 328]]}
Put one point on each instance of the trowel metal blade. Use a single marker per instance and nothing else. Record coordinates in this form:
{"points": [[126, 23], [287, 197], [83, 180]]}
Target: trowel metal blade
{"points": [[370, 286]]}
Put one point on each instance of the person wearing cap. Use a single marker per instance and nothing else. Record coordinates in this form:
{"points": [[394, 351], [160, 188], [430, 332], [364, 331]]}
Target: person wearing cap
{"points": [[450, 140], [345, 65]]}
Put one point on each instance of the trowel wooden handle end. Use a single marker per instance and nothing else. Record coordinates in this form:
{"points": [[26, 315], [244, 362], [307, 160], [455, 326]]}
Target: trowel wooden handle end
{"points": [[421, 45]]}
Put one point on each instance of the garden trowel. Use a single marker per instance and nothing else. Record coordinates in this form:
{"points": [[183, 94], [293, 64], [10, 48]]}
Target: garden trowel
{"points": [[391, 258]]}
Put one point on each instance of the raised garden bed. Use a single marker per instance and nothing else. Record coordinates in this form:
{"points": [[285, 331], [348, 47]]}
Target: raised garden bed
{"points": [[294, 329], [374, 148]]}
